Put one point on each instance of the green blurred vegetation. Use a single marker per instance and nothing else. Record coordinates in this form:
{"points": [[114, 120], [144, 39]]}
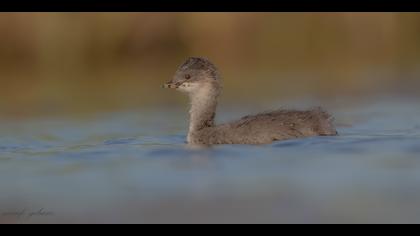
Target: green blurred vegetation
{"points": [[78, 62]]}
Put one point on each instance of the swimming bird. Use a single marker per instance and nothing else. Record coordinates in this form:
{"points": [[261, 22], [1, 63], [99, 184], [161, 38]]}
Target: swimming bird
{"points": [[200, 79]]}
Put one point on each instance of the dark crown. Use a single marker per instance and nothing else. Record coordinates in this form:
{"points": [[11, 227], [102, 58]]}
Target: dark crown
{"points": [[199, 63]]}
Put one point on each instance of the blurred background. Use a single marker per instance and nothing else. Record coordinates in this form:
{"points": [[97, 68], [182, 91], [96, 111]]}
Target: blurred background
{"points": [[88, 133], [55, 63]]}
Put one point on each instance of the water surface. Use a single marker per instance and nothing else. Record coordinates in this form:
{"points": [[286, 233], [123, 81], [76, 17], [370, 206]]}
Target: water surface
{"points": [[134, 167]]}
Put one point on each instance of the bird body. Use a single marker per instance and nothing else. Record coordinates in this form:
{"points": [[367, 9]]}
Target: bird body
{"points": [[267, 127]]}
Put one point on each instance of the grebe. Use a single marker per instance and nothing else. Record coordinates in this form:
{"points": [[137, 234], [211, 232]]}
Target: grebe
{"points": [[200, 79]]}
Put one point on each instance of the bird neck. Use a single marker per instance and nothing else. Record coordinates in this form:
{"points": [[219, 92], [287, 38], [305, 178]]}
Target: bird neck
{"points": [[203, 107]]}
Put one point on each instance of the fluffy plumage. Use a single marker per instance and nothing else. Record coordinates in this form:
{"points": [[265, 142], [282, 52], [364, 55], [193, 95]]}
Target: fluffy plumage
{"points": [[267, 127]]}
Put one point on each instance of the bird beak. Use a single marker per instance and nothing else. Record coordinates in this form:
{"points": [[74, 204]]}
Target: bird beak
{"points": [[168, 85]]}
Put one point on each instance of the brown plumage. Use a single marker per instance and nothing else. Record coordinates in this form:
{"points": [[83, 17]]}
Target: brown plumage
{"points": [[200, 79], [268, 127]]}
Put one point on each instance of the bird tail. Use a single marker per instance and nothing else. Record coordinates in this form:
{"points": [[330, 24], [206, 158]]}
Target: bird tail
{"points": [[326, 122]]}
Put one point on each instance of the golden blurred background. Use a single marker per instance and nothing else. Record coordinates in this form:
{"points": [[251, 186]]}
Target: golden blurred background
{"points": [[58, 63]]}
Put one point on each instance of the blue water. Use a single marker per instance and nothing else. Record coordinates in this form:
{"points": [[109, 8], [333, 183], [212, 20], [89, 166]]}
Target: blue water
{"points": [[134, 167]]}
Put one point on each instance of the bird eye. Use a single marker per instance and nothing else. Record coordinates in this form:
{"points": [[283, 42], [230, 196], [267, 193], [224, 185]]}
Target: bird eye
{"points": [[187, 76]]}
